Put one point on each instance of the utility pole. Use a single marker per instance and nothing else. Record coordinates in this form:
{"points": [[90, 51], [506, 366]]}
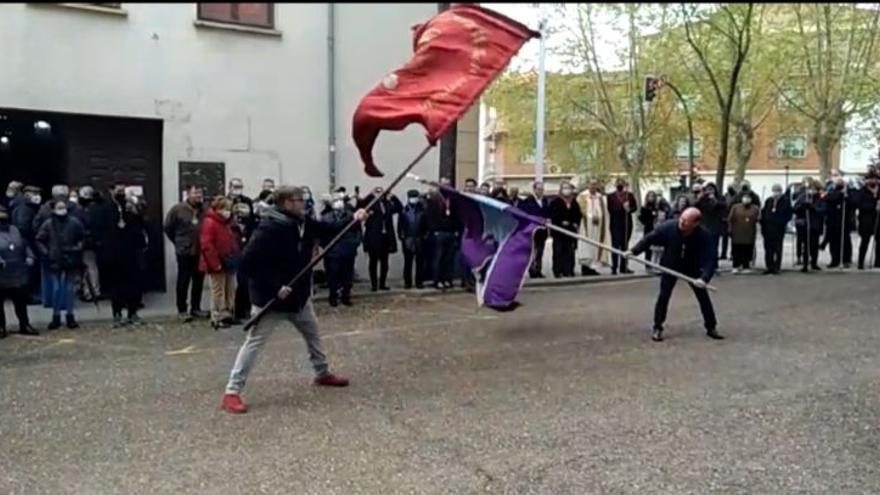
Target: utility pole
{"points": [[542, 76], [448, 143], [692, 169]]}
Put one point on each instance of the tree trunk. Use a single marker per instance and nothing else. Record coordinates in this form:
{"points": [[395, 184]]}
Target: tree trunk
{"points": [[743, 147], [724, 135]]}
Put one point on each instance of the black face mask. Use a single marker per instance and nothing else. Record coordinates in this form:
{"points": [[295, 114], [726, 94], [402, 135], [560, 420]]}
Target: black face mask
{"points": [[619, 188], [120, 197]]}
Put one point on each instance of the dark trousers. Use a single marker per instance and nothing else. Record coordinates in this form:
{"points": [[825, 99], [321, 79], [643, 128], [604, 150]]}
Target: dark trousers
{"points": [[725, 238], [19, 297], [129, 304], [863, 251], [773, 243], [340, 275], [538, 262], [242, 298], [378, 269], [619, 240], [443, 252], [189, 279], [800, 240], [563, 257], [35, 282], [834, 243], [667, 283], [742, 255], [810, 246], [413, 259]]}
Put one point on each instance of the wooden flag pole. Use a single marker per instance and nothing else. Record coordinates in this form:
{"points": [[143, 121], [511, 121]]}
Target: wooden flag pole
{"points": [[307, 269], [586, 239]]}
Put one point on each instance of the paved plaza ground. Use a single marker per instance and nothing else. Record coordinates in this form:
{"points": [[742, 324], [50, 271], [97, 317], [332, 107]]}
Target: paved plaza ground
{"points": [[566, 395]]}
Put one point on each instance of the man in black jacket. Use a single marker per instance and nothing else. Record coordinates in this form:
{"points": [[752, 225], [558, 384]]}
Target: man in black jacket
{"points": [[775, 216], [537, 205], [688, 249], [279, 249], [621, 208], [714, 209]]}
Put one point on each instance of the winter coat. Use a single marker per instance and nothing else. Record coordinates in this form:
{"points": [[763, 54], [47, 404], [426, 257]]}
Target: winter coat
{"points": [[411, 228], [123, 246], [775, 216], [534, 207], [23, 218], [45, 213], [99, 217], [439, 216], [14, 252], [694, 256], [809, 210], [648, 215], [713, 210], [835, 202], [280, 248], [379, 237], [182, 227], [566, 216], [743, 223], [336, 220], [218, 244], [867, 203], [619, 218], [60, 243]]}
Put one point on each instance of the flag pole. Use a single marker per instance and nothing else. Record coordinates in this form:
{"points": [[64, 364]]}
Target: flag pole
{"points": [[586, 239], [262, 311]]}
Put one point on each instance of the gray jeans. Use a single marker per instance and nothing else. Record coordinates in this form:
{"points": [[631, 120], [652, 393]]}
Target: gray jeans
{"points": [[304, 321]]}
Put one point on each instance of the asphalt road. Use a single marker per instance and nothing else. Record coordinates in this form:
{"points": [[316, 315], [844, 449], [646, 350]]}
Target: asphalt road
{"points": [[566, 395]]}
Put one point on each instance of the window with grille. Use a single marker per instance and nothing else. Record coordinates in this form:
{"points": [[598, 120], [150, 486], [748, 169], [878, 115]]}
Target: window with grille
{"points": [[246, 14], [791, 147], [682, 149]]}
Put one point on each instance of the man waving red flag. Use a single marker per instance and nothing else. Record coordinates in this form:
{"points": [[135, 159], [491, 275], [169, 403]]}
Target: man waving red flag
{"points": [[457, 54]]}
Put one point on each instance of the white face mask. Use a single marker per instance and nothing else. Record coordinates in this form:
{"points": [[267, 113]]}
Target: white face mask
{"points": [[61, 212], [225, 214], [777, 194], [338, 204], [74, 199], [36, 199], [307, 196], [413, 201], [747, 200], [235, 192], [10, 194], [566, 192]]}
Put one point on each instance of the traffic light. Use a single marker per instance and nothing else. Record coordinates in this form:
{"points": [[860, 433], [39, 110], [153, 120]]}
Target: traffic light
{"points": [[650, 88]]}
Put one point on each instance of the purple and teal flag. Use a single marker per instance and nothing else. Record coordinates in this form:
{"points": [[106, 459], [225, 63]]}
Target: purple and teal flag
{"points": [[497, 245]]}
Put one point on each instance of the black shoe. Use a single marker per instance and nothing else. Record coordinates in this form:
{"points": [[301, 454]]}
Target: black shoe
{"points": [[232, 321], [71, 322], [816, 268], [374, 289], [384, 287], [184, 317], [713, 334], [805, 270], [200, 314], [539, 275], [767, 272], [27, 329], [3, 332], [614, 271], [346, 300], [420, 286], [55, 323], [407, 286], [334, 302], [627, 271], [833, 266], [217, 325], [657, 335]]}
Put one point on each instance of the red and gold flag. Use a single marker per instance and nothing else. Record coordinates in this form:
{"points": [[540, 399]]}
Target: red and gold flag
{"points": [[457, 54]]}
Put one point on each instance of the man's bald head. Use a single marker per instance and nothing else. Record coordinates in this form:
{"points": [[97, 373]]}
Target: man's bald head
{"points": [[689, 220]]}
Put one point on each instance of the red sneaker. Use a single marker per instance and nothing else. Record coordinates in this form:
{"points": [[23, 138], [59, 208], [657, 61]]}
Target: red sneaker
{"points": [[331, 380], [232, 403]]}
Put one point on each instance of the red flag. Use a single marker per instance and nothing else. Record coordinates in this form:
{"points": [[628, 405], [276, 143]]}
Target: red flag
{"points": [[457, 54]]}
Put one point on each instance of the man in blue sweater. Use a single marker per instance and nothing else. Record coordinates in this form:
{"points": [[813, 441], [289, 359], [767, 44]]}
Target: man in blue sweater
{"points": [[689, 249]]}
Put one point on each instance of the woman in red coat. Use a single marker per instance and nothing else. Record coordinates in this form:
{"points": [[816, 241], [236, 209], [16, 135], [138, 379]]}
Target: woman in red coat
{"points": [[220, 252]]}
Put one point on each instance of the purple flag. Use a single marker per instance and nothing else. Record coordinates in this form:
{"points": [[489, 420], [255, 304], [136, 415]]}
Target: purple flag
{"points": [[497, 245]]}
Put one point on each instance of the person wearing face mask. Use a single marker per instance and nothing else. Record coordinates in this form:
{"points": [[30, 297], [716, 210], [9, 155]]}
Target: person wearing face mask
{"points": [[23, 218], [280, 248], [713, 209], [809, 209], [746, 190], [743, 224], [729, 199], [340, 259], [411, 230], [595, 225], [15, 259], [380, 240], [220, 252], [775, 216], [92, 211], [242, 226], [840, 222], [649, 217], [688, 249], [122, 247], [443, 230], [60, 242], [182, 226], [536, 205], [621, 208], [237, 196], [13, 195], [268, 185], [869, 219], [564, 212]]}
